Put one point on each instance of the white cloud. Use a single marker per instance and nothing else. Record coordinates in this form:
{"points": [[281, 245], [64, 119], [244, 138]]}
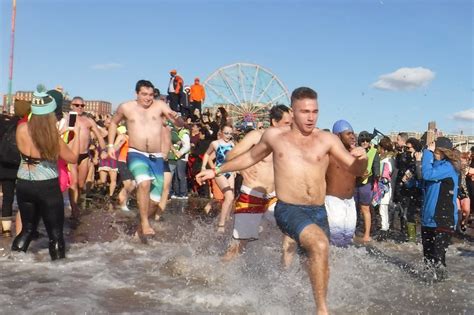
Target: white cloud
{"points": [[107, 66], [404, 79], [465, 115]]}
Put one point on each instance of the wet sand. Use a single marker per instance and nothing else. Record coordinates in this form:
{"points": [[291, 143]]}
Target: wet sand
{"points": [[179, 271]]}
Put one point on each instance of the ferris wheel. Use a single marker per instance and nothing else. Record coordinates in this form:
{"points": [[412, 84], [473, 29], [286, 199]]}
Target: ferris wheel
{"points": [[246, 90]]}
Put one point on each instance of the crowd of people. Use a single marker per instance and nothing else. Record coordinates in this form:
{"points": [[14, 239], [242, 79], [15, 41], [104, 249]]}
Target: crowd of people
{"points": [[317, 185]]}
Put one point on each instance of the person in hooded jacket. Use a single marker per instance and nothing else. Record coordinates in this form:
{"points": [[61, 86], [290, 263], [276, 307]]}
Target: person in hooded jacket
{"points": [[440, 171]]}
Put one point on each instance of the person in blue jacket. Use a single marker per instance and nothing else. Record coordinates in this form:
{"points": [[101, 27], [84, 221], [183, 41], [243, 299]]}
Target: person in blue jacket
{"points": [[439, 168]]}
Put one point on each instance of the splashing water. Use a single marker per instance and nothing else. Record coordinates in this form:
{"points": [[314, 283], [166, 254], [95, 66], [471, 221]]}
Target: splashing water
{"points": [[179, 271]]}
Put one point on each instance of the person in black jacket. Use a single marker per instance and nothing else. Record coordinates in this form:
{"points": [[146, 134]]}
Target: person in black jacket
{"points": [[8, 170], [9, 163]]}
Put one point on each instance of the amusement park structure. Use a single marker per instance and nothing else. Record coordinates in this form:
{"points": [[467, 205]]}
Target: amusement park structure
{"points": [[246, 91]]}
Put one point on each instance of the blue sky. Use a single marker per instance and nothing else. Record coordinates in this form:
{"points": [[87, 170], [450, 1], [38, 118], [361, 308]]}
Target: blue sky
{"points": [[393, 65]]}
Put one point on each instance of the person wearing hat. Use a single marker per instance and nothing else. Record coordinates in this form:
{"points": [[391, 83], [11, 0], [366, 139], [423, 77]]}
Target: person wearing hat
{"points": [[340, 186], [175, 88], [38, 190], [198, 95], [439, 214]]}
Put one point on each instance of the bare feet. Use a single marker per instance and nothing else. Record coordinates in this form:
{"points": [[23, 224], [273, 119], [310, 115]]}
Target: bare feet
{"points": [[232, 252], [366, 240], [221, 228], [207, 208], [147, 231]]}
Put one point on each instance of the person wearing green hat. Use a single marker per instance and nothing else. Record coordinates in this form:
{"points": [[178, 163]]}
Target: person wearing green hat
{"points": [[38, 190]]}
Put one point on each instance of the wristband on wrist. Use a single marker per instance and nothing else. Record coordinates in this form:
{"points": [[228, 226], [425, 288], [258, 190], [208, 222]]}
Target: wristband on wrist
{"points": [[217, 171], [110, 145]]}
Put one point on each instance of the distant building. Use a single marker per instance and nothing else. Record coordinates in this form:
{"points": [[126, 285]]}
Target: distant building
{"points": [[92, 106], [98, 107]]}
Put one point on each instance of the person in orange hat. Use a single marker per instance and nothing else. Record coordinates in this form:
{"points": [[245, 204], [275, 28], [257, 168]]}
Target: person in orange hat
{"points": [[175, 88], [198, 95]]}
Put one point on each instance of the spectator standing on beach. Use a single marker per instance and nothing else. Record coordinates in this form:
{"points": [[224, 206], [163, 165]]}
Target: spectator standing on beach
{"points": [[184, 103], [38, 189], [175, 88], [181, 151], [440, 170], [364, 184], [198, 95], [9, 162]]}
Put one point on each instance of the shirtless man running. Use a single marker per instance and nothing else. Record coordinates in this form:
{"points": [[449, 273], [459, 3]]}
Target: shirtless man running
{"points": [[257, 194], [300, 160], [340, 204], [79, 171], [145, 117]]}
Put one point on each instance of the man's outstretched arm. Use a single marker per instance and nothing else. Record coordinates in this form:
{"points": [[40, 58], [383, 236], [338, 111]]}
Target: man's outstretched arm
{"points": [[243, 161]]}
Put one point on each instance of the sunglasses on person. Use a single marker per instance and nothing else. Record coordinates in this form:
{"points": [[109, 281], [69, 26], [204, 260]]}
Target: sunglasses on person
{"points": [[364, 140], [79, 105], [227, 133]]}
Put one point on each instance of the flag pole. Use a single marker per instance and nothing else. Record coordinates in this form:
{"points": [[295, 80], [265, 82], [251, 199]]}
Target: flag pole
{"points": [[10, 78]]}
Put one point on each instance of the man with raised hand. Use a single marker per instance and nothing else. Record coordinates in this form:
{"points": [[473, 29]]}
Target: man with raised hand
{"points": [[300, 160], [144, 117]]}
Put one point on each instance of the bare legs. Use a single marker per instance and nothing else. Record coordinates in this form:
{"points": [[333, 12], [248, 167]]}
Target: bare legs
{"points": [[128, 187], [113, 180], [236, 248], [78, 179], [146, 207], [367, 222], [226, 185], [289, 250], [167, 178], [316, 244]]}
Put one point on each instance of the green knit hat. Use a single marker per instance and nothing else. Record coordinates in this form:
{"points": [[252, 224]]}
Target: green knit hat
{"points": [[42, 103]]}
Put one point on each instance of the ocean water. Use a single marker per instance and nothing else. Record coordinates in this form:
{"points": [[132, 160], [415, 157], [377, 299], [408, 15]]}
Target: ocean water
{"points": [[180, 272]]}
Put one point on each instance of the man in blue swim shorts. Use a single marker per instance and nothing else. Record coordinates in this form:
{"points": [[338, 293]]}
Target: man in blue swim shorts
{"points": [[144, 117], [300, 161]]}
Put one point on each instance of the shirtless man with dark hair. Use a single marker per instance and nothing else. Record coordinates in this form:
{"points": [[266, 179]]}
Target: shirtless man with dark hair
{"points": [[145, 117], [257, 194], [300, 161]]}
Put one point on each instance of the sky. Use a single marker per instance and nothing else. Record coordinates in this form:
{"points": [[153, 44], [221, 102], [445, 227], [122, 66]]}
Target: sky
{"points": [[390, 65]]}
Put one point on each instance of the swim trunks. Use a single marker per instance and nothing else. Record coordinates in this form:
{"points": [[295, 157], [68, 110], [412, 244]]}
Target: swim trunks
{"points": [[342, 217], [147, 166], [251, 206], [292, 219]]}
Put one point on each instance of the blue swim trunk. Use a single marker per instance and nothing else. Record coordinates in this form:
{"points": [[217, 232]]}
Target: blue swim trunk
{"points": [[292, 219], [147, 166]]}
